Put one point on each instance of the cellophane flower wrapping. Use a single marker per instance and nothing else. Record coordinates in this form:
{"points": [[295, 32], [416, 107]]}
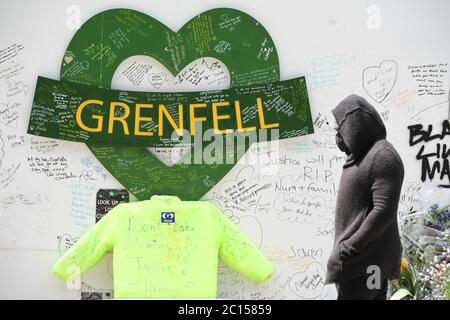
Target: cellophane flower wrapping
{"points": [[425, 270]]}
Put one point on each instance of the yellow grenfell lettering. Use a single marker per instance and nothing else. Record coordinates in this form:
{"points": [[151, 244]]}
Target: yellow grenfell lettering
{"points": [[121, 116], [99, 119], [162, 110], [193, 118], [217, 117], [138, 119], [121, 119], [261, 117], [237, 106]]}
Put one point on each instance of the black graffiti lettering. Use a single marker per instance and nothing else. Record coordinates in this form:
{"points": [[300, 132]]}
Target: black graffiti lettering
{"points": [[445, 153], [446, 128], [435, 163], [430, 171], [421, 156], [426, 170], [417, 134], [445, 170], [416, 130]]}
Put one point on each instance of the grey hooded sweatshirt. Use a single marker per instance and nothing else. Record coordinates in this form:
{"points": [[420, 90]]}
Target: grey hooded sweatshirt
{"points": [[366, 230]]}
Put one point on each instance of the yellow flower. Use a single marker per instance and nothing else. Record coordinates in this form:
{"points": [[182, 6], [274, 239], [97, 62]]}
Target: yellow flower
{"points": [[404, 265]]}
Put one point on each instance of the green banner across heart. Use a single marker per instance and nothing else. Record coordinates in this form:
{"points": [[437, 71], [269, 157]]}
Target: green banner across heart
{"points": [[76, 112], [110, 37]]}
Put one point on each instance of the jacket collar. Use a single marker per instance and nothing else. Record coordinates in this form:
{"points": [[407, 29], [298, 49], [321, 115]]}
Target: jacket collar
{"points": [[165, 198]]}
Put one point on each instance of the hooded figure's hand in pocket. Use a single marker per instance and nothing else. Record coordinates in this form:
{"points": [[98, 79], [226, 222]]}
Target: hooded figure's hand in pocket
{"points": [[346, 251]]}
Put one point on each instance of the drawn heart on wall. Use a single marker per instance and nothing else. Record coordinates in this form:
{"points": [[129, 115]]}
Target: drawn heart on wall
{"points": [[68, 59], [126, 33], [65, 242], [378, 81], [157, 79], [309, 283]]}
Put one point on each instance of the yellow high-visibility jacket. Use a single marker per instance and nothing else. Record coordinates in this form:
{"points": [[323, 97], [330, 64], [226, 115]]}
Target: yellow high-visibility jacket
{"points": [[165, 248]]}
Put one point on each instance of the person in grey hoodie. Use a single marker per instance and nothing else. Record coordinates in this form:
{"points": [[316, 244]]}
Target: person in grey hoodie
{"points": [[367, 241]]}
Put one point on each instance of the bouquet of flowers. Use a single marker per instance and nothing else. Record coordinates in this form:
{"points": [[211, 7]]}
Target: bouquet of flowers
{"points": [[425, 271]]}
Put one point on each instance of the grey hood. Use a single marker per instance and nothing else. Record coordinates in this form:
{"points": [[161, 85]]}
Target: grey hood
{"points": [[360, 126]]}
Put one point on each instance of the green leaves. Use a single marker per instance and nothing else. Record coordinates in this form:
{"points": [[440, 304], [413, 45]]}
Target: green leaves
{"points": [[401, 294]]}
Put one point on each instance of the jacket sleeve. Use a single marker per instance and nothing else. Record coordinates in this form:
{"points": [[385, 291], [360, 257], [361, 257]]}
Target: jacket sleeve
{"points": [[89, 249], [387, 178], [239, 252]]}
